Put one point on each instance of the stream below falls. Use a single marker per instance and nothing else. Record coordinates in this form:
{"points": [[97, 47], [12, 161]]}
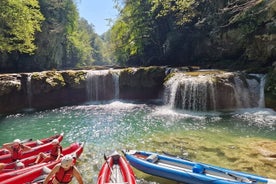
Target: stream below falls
{"points": [[242, 139]]}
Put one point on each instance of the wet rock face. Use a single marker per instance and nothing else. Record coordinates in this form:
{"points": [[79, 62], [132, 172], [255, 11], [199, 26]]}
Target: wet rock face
{"points": [[142, 83], [46, 82], [198, 90], [11, 93], [270, 89], [41, 90], [9, 84], [240, 31], [51, 89], [54, 89]]}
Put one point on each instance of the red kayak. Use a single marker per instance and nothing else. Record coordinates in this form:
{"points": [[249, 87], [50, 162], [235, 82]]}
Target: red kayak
{"points": [[31, 143], [29, 174], [47, 146], [29, 161], [116, 170]]}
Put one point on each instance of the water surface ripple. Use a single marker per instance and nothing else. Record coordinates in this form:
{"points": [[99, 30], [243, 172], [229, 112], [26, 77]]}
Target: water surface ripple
{"points": [[236, 140]]}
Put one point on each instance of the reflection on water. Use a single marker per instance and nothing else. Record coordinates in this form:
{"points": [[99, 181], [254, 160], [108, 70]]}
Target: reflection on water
{"points": [[236, 140]]}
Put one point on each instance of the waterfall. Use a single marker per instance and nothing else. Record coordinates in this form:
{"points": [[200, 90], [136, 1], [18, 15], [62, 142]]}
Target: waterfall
{"points": [[201, 91], [262, 94], [242, 92], [29, 90], [102, 85], [116, 76], [249, 90], [191, 93]]}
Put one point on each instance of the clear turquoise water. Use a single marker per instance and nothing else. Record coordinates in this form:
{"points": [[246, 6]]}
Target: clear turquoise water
{"points": [[123, 125]]}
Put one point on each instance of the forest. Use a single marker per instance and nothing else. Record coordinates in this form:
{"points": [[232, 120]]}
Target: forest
{"points": [[37, 35]]}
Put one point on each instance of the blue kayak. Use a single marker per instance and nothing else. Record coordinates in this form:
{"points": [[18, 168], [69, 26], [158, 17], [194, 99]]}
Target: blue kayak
{"points": [[186, 171]]}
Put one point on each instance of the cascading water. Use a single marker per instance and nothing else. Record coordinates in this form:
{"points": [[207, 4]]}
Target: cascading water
{"points": [[115, 76], [29, 90], [102, 85], [262, 94], [249, 90], [214, 90], [192, 93]]}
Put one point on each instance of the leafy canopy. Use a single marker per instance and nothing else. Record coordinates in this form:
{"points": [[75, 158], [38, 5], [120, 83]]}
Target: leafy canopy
{"points": [[19, 21]]}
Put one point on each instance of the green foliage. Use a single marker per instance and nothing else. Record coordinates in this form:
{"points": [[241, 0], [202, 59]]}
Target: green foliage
{"points": [[79, 50], [147, 32], [181, 10], [131, 33], [19, 21], [51, 42], [142, 34]]}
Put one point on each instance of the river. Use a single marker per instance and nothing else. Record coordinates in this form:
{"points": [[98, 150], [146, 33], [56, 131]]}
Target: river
{"points": [[237, 139]]}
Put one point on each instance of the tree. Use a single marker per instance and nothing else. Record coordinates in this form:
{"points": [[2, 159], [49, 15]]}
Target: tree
{"points": [[183, 11], [79, 49], [19, 20], [152, 32], [131, 33]]}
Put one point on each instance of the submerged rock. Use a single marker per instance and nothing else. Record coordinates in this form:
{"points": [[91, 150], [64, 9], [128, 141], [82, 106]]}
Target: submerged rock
{"points": [[225, 150]]}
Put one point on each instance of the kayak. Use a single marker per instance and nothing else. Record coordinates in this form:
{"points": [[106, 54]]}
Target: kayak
{"points": [[29, 174], [31, 143], [116, 169], [47, 146], [29, 161], [5, 175], [186, 171]]}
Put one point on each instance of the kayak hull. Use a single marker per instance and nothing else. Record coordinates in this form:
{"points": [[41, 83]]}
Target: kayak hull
{"points": [[186, 171], [116, 169], [30, 173], [36, 149]]}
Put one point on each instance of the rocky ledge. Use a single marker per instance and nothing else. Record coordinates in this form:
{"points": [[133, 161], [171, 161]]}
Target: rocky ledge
{"points": [[50, 89]]}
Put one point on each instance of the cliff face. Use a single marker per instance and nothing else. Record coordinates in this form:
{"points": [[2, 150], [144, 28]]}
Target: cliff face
{"points": [[41, 90], [270, 88], [237, 34], [142, 83], [11, 93]]}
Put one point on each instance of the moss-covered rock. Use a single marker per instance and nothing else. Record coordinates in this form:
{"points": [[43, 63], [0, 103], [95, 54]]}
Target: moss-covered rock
{"points": [[9, 84], [75, 79], [57, 88], [270, 89], [141, 83], [45, 82], [142, 77], [11, 93]]}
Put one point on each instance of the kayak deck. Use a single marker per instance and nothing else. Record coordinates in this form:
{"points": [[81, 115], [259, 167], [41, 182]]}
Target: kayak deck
{"points": [[184, 170]]}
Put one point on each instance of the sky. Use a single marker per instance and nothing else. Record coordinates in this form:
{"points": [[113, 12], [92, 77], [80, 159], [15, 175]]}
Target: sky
{"points": [[96, 11]]}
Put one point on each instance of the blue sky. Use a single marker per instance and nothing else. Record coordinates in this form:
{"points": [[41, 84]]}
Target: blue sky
{"points": [[96, 11]]}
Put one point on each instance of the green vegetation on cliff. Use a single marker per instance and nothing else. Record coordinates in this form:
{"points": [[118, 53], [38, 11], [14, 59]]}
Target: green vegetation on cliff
{"points": [[19, 22], [237, 34], [45, 35], [270, 89]]}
